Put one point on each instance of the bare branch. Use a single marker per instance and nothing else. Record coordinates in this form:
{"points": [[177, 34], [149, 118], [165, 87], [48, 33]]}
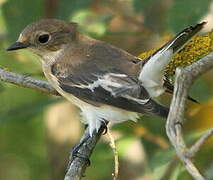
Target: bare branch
{"points": [[27, 82], [78, 165], [196, 147], [183, 81]]}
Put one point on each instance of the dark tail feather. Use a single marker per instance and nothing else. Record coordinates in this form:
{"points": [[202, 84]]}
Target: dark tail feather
{"points": [[154, 109], [178, 42], [184, 36], [170, 89], [193, 100], [189, 97]]}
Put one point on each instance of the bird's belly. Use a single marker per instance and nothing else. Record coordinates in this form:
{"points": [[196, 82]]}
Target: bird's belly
{"points": [[94, 116]]}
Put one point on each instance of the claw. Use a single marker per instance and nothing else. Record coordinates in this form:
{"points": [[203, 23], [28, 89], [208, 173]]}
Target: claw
{"points": [[75, 150], [104, 127], [84, 157], [105, 130], [75, 153]]}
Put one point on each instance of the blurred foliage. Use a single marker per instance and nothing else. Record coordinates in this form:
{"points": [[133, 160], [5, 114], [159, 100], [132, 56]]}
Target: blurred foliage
{"points": [[67, 8], [94, 25], [28, 151], [184, 11], [15, 12]]}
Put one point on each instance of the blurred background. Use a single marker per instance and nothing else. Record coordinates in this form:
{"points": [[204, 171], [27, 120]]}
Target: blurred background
{"points": [[37, 130]]}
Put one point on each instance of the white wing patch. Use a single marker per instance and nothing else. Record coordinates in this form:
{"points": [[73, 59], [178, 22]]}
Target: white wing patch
{"points": [[104, 81], [110, 82], [116, 84], [107, 82], [139, 101]]}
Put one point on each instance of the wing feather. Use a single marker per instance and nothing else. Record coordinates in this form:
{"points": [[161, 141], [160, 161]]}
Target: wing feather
{"points": [[101, 85]]}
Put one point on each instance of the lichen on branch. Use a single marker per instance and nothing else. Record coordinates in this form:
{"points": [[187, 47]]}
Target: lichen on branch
{"points": [[197, 48]]}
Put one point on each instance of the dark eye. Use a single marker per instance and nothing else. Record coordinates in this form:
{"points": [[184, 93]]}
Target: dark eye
{"points": [[43, 38]]}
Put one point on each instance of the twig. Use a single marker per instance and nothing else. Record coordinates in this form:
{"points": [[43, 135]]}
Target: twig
{"points": [[197, 145], [183, 81], [115, 152], [78, 165], [27, 82]]}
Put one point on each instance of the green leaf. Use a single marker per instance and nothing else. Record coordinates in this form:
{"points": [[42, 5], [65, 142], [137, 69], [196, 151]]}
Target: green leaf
{"points": [[200, 90], [67, 8], [103, 156], [209, 171], [186, 12], [18, 14], [123, 145], [91, 23], [178, 170], [161, 158], [142, 5], [161, 161]]}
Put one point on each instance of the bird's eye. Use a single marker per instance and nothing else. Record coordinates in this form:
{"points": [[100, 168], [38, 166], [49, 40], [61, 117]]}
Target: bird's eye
{"points": [[43, 38]]}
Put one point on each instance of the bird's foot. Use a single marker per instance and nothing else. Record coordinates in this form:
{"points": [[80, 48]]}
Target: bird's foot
{"points": [[75, 152], [104, 127]]}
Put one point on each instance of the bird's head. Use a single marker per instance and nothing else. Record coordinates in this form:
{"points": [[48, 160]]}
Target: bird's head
{"points": [[46, 36]]}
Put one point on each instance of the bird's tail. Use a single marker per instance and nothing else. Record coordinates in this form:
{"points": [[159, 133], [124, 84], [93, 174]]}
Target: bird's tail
{"points": [[183, 37], [179, 40], [152, 68], [154, 109]]}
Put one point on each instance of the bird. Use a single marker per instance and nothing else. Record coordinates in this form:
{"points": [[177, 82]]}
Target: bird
{"points": [[107, 83]]}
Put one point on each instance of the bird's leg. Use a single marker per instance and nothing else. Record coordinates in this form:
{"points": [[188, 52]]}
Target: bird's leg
{"points": [[75, 150], [104, 127]]}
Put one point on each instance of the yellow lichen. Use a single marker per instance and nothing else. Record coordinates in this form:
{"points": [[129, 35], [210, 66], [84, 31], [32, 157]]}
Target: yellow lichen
{"points": [[197, 48]]}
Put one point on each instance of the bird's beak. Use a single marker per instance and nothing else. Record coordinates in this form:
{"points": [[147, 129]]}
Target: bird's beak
{"points": [[17, 45]]}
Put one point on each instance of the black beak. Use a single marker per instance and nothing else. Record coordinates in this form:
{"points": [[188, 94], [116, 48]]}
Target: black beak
{"points": [[17, 45]]}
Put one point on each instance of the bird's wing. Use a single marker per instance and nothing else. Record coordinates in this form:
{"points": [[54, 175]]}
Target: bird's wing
{"points": [[99, 85]]}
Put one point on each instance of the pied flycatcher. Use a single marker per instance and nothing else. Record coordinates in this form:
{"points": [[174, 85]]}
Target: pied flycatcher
{"points": [[105, 82]]}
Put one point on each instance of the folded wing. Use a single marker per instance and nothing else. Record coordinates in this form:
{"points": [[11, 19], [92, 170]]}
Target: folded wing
{"points": [[109, 86]]}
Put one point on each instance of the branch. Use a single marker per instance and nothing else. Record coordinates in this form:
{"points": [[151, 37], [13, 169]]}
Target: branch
{"points": [[27, 82], [183, 81], [78, 165]]}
